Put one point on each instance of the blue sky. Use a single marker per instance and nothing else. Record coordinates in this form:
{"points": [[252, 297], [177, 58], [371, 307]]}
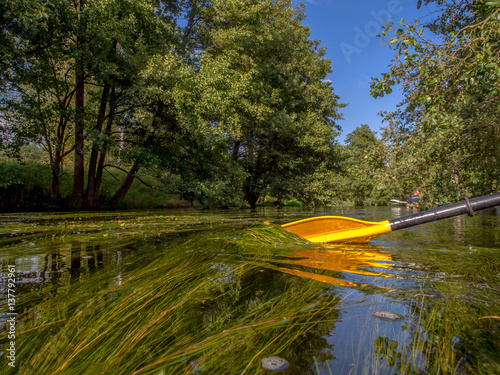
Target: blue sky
{"points": [[347, 29]]}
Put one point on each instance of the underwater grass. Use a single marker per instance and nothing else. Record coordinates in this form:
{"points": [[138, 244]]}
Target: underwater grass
{"points": [[455, 333], [190, 305], [453, 317], [209, 294], [24, 231]]}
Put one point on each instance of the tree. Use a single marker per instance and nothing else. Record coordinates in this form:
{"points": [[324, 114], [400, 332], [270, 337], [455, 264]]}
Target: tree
{"points": [[447, 131], [360, 140], [233, 98], [73, 73], [365, 176], [280, 112], [36, 88], [138, 35]]}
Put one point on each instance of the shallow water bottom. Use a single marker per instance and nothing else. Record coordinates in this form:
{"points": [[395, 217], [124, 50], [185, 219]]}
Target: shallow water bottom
{"points": [[187, 292]]}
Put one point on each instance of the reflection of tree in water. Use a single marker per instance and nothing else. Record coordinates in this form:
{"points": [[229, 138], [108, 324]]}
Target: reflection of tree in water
{"points": [[94, 257], [62, 266], [53, 263], [76, 262]]}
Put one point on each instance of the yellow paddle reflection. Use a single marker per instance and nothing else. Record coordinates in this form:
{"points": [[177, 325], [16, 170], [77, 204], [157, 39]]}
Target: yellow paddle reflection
{"points": [[344, 259]]}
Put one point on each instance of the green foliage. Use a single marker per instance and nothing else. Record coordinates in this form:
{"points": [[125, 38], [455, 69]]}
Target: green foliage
{"points": [[270, 94], [365, 178], [215, 193], [25, 185], [232, 104], [446, 134], [233, 99], [112, 44], [27, 153], [145, 195]]}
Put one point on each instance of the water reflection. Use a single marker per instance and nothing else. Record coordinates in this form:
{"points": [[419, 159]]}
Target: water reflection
{"points": [[192, 305], [216, 294], [344, 259]]}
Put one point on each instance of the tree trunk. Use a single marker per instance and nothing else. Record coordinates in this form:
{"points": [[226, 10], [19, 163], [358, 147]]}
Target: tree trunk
{"points": [[55, 162], [79, 166], [102, 158], [236, 149], [123, 190], [56, 181], [78, 178], [122, 137], [95, 170], [92, 192], [251, 199], [55, 148]]}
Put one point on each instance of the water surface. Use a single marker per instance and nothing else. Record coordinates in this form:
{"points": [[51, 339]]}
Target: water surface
{"points": [[216, 292]]}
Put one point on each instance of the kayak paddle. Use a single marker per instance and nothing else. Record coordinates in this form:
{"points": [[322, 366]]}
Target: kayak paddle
{"points": [[345, 229], [395, 201]]}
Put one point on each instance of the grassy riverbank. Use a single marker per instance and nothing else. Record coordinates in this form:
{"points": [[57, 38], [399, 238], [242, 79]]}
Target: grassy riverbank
{"points": [[25, 185]]}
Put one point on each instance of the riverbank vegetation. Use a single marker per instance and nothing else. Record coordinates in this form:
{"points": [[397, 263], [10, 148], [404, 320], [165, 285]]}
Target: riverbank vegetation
{"points": [[226, 103], [445, 137], [25, 186]]}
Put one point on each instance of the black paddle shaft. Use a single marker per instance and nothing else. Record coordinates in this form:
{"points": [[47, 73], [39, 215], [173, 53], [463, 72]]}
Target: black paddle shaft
{"points": [[454, 209]]}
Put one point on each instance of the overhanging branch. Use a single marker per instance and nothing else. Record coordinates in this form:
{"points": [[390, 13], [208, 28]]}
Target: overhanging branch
{"points": [[138, 178]]}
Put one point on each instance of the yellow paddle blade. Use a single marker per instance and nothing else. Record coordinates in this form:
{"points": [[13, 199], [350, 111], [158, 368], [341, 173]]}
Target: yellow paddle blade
{"points": [[337, 229]]}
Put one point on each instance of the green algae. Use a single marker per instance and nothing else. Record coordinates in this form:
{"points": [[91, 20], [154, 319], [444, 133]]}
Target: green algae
{"points": [[216, 292]]}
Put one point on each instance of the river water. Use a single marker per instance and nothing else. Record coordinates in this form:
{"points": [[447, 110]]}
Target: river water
{"points": [[228, 292]]}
